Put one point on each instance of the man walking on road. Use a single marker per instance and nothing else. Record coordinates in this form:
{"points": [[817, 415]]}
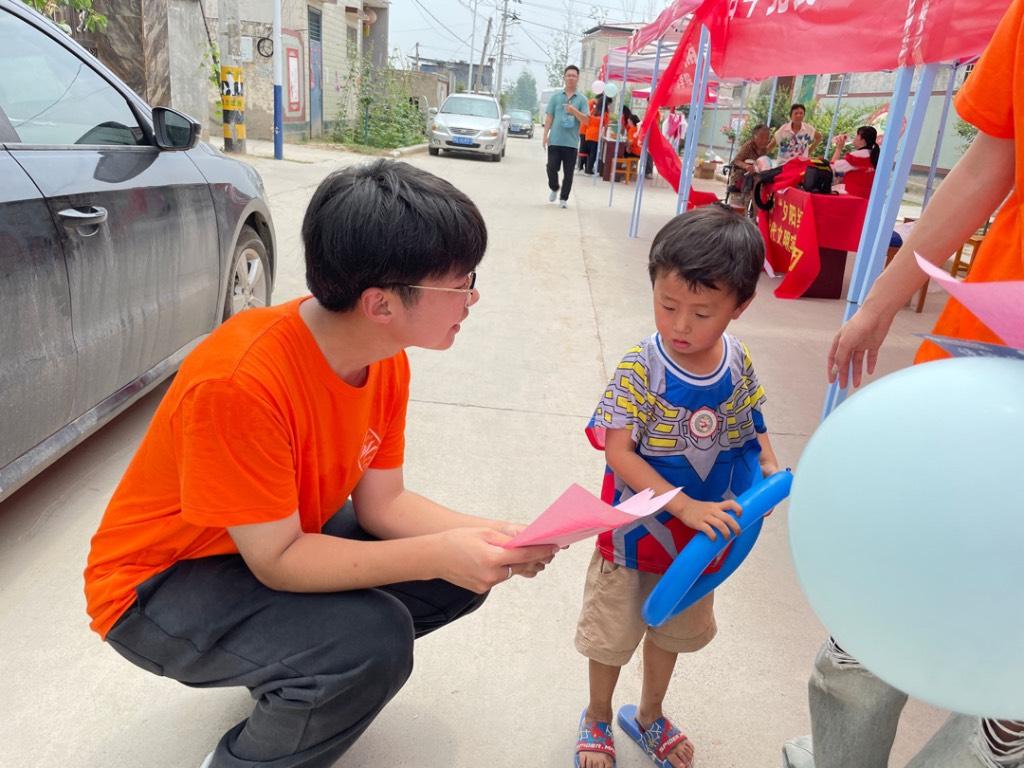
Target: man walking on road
{"points": [[562, 119]]}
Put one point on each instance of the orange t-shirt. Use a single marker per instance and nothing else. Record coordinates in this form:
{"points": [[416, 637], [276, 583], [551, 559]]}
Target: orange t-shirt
{"points": [[254, 426], [993, 100], [594, 126]]}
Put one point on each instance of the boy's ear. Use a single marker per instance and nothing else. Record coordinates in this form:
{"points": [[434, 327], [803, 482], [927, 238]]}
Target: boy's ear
{"points": [[375, 305], [742, 308]]}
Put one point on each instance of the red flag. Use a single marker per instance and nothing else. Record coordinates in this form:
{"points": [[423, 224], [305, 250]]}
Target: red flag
{"points": [[792, 239], [668, 164]]}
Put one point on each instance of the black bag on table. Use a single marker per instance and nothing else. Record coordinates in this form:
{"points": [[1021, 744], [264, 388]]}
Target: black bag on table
{"points": [[818, 177]]}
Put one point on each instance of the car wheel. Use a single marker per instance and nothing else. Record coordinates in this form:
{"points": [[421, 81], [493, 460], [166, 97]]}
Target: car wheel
{"points": [[434, 151], [496, 157], [249, 278], [502, 150]]}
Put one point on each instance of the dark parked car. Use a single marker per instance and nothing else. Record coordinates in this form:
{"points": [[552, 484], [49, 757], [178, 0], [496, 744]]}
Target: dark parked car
{"points": [[123, 241], [520, 123]]}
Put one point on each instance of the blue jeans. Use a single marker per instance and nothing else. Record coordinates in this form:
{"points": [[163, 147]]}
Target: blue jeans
{"points": [[853, 723]]}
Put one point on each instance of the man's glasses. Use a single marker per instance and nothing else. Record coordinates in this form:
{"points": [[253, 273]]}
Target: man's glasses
{"points": [[468, 290]]}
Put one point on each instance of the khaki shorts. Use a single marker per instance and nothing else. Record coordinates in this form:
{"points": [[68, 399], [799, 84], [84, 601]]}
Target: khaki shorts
{"points": [[611, 625]]}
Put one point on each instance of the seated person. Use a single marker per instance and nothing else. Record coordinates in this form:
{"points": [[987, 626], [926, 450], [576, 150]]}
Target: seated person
{"points": [[633, 144], [743, 165], [858, 165]]}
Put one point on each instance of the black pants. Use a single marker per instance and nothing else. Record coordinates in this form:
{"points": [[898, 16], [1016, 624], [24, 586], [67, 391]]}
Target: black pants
{"points": [[320, 666], [591, 155], [566, 158]]}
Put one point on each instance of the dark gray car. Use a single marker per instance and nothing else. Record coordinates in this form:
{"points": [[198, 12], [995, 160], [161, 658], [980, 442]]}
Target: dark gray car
{"points": [[123, 242]]}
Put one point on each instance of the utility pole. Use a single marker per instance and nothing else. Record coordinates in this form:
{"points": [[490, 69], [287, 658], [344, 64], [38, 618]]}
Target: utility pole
{"points": [[232, 85], [483, 57], [417, 57], [501, 47], [472, 49]]}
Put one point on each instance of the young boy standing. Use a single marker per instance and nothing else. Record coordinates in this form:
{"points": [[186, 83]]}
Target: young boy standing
{"points": [[683, 410], [223, 559]]}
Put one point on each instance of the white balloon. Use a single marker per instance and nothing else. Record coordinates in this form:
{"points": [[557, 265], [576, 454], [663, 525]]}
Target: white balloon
{"points": [[597, 86]]}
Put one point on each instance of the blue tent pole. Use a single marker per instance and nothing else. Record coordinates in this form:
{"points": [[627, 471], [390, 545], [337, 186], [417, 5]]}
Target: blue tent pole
{"points": [[835, 113], [600, 137], [938, 139], [699, 93], [879, 189], [638, 195], [874, 240], [620, 131], [771, 103]]}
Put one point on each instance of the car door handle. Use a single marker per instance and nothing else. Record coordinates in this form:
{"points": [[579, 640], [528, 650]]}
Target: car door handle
{"points": [[85, 221]]}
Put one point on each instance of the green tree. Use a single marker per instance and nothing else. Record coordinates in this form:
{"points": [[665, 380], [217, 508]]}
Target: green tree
{"points": [[66, 12], [523, 94], [558, 60], [965, 131]]}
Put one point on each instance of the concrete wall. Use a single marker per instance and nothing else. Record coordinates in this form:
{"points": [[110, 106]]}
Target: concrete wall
{"points": [[594, 47], [190, 59]]}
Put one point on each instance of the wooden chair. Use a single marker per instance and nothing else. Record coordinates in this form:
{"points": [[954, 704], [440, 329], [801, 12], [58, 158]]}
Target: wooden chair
{"points": [[627, 166], [960, 267]]}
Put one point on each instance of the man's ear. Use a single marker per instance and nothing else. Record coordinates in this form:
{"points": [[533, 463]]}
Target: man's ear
{"points": [[742, 308], [375, 304]]}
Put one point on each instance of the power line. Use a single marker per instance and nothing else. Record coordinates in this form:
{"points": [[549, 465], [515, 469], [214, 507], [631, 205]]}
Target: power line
{"points": [[445, 27]]}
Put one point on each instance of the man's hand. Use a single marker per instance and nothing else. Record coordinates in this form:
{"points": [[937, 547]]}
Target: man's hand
{"points": [[860, 337], [544, 141], [710, 516], [475, 559]]}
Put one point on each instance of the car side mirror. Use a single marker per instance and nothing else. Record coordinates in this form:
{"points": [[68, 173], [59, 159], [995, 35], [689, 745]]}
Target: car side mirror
{"points": [[506, 118], [174, 131], [432, 111]]}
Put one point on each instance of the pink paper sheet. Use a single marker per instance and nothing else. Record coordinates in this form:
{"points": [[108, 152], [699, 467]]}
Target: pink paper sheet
{"points": [[577, 514], [999, 305]]}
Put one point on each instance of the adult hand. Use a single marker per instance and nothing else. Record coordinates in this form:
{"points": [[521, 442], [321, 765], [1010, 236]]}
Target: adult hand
{"points": [[857, 343], [474, 558], [544, 141]]}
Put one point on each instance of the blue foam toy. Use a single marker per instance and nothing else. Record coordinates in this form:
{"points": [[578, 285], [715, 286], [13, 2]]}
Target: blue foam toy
{"points": [[685, 582]]}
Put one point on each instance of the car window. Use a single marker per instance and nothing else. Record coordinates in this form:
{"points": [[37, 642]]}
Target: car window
{"points": [[456, 105], [50, 96]]}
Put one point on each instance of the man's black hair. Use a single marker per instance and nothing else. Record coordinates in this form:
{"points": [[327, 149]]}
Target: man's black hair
{"points": [[795, 107], [710, 247], [571, 66], [387, 225]]}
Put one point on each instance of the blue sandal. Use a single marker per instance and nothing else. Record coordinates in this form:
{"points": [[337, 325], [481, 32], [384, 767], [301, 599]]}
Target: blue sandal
{"points": [[658, 741], [594, 737]]}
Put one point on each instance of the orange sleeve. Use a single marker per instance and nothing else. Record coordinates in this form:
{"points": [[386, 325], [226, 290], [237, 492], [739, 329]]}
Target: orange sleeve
{"points": [[986, 98], [391, 454], [234, 456]]}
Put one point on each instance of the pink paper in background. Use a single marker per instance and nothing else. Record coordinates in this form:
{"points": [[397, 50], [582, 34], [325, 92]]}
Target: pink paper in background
{"points": [[999, 305], [577, 514]]}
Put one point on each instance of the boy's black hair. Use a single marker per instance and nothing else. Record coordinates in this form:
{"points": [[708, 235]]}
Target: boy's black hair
{"points": [[571, 66], [795, 107], [710, 247], [387, 224]]}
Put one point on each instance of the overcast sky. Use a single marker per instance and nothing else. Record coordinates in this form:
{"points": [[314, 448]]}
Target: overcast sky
{"points": [[443, 28]]}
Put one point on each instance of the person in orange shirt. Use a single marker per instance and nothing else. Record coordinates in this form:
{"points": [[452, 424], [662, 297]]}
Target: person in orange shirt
{"points": [[223, 559], [581, 156], [854, 715], [595, 125]]}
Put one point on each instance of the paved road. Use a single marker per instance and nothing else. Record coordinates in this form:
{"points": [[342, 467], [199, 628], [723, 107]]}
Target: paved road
{"points": [[495, 427]]}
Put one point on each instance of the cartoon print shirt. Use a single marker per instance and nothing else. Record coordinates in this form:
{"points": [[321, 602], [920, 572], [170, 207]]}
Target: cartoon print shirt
{"points": [[794, 143], [697, 432]]}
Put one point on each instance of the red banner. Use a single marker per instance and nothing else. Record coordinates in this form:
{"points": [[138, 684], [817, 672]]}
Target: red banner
{"points": [[791, 234], [657, 28]]}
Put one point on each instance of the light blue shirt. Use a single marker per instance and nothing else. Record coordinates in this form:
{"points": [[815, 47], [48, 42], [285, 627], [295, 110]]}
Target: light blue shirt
{"points": [[565, 128]]}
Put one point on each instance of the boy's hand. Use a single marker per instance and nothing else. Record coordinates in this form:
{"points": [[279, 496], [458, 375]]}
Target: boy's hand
{"points": [[474, 559], [710, 516], [769, 468]]}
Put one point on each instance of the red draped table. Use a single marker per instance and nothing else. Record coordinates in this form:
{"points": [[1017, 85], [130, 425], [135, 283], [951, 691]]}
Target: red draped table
{"points": [[808, 237]]}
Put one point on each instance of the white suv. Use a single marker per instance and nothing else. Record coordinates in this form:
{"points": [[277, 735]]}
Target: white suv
{"points": [[469, 122]]}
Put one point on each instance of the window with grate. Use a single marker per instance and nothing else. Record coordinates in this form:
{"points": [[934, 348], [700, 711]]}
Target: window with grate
{"points": [[315, 25], [835, 83]]}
